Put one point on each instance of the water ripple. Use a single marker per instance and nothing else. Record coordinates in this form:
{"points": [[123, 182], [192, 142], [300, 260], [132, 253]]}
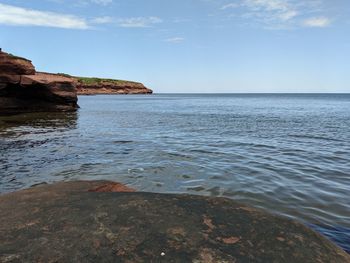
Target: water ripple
{"points": [[289, 154]]}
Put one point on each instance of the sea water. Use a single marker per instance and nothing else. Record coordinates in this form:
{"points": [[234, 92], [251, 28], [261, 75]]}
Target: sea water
{"points": [[286, 153]]}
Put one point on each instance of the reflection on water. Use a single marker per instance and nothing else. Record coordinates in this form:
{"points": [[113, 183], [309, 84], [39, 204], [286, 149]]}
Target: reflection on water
{"points": [[289, 154], [44, 120], [32, 142]]}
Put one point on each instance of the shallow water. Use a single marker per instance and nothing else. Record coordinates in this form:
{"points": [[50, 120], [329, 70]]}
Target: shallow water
{"points": [[289, 154]]}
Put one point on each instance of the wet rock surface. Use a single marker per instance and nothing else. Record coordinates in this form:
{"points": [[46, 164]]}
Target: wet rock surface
{"points": [[93, 222], [22, 89]]}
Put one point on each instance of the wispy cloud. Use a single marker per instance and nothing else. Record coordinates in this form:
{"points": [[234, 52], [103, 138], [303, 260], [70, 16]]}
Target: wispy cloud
{"points": [[317, 22], [271, 11], [103, 20], [279, 13], [12, 15], [139, 21], [230, 5], [18, 16], [174, 40], [82, 2], [102, 2], [130, 22]]}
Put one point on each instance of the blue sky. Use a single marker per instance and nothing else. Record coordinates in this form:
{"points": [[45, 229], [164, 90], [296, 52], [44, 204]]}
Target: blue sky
{"points": [[187, 45]]}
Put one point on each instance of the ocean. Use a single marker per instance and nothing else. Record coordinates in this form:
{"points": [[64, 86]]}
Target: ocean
{"points": [[286, 153]]}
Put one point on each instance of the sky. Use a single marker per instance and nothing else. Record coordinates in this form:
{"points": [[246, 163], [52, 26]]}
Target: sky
{"points": [[187, 46]]}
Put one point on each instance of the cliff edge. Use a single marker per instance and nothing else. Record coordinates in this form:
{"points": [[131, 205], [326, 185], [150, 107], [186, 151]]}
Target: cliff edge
{"points": [[22, 89], [91, 86]]}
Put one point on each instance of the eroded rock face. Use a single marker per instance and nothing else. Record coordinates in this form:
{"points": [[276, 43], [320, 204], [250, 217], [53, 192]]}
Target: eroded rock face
{"points": [[89, 222], [22, 89], [108, 88], [12, 65]]}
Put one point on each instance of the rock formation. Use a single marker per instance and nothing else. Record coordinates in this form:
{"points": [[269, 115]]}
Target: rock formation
{"points": [[22, 89], [101, 221], [92, 86]]}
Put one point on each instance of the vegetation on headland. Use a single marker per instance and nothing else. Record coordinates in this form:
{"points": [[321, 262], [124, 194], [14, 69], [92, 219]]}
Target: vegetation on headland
{"points": [[93, 85], [99, 81]]}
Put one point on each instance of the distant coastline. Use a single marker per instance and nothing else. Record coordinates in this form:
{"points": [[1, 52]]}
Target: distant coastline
{"points": [[93, 86]]}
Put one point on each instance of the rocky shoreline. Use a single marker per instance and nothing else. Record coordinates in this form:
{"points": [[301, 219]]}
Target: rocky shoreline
{"points": [[23, 89], [100, 221]]}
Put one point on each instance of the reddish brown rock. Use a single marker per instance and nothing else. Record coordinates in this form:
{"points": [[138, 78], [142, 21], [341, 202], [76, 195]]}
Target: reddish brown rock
{"points": [[112, 187], [46, 79], [105, 87], [9, 79], [65, 222], [24, 90], [12, 65]]}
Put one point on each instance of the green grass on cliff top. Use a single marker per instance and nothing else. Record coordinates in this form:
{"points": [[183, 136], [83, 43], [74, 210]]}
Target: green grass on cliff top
{"points": [[92, 81], [98, 81]]}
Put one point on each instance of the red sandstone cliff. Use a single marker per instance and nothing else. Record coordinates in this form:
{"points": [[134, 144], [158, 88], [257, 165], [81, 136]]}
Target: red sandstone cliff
{"points": [[92, 86], [22, 89]]}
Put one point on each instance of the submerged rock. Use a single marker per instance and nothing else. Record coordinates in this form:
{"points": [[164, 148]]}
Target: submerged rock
{"points": [[22, 89], [83, 222]]}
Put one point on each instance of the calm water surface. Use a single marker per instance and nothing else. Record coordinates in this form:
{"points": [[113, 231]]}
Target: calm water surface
{"points": [[289, 154]]}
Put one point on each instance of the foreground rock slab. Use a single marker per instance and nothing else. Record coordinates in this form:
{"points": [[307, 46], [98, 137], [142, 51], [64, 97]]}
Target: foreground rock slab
{"points": [[107, 222]]}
